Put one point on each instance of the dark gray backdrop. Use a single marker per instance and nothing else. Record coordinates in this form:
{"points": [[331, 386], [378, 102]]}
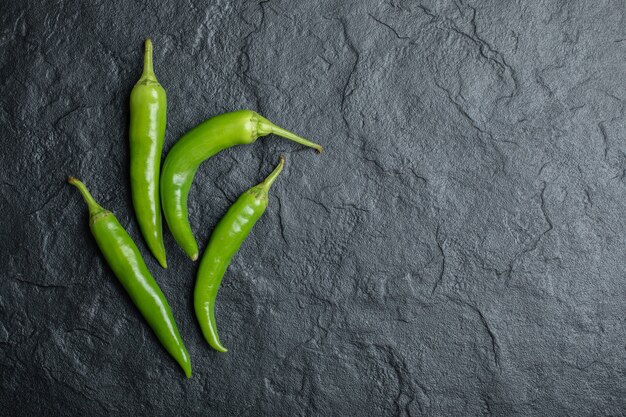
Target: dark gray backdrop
{"points": [[460, 248]]}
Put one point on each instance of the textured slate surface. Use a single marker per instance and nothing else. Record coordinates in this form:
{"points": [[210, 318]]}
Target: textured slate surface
{"points": [[458, 250]]}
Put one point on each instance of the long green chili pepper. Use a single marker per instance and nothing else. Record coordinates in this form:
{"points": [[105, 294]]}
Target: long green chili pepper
{"points": [[197, 145], [124, 258], [225, 241], [148, 107]]}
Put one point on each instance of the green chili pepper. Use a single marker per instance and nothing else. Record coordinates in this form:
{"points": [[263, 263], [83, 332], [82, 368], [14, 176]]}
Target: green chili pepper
{"points": [[124, 258], [148, 107], [225, 241], [197, 145]]}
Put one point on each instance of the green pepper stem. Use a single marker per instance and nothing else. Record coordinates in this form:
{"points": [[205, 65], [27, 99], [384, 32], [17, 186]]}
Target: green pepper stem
{"points": [[266, 127], [94, 208], [267, 183], [148, 69]]}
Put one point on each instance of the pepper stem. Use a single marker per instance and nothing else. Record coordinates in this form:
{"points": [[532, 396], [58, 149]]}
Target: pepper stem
{"points": [[148, 69], [267, 183], [265, 127], [94, 208]]}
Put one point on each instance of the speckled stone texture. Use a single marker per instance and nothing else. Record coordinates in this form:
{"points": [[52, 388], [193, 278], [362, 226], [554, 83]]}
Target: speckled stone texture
{"points": [[459, 249]]}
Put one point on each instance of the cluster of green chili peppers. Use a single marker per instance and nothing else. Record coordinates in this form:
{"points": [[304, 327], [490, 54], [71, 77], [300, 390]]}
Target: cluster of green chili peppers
{"points": [[152, 189]]}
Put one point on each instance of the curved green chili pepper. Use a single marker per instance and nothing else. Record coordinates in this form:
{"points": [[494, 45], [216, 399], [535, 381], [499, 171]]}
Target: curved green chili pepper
{"points": [[148, 107], [197, 145], [225, 241], [124, 258]]}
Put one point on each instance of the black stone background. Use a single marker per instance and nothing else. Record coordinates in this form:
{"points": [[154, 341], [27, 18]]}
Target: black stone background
{"points": [[459, 249]]}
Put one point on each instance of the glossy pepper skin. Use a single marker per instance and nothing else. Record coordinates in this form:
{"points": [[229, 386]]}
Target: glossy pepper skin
{"points": [[124, 258], [197, 145], [148, 107], [229, 234]]}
